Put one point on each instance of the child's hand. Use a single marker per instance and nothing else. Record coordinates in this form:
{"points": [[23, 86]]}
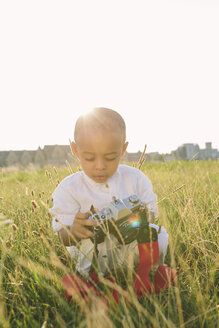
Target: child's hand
{"points": [[78, 228]]}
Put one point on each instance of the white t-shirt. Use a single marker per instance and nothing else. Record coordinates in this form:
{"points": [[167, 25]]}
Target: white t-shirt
{"points": [[78, 192]]}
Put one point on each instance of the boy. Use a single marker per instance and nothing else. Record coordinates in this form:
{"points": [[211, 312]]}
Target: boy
{"points": [[99, 143]]}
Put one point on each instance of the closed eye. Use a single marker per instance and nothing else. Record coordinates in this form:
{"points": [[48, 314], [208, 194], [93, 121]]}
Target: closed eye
{"points": [[89, 159], [110, 159]]}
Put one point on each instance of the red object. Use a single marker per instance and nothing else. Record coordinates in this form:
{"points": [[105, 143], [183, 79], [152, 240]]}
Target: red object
{"points": [[74, 284], [164, 276], [93, 278], [114, 291], [148, 257]]}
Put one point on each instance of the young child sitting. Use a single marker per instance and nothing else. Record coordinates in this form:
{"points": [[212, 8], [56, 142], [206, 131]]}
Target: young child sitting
{"points": [[99, 143]]}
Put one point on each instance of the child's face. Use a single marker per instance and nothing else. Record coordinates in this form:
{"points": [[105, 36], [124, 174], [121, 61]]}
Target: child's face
{"points": [[99, 153]]}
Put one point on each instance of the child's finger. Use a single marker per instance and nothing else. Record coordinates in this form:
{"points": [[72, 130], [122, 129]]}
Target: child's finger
{"points": [[89, 223], [83, 233], [79, 235], [82, 216]]}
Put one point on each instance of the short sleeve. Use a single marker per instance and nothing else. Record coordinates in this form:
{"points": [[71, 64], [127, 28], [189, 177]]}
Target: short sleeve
{"points": [[145, 192], [64, 208]]}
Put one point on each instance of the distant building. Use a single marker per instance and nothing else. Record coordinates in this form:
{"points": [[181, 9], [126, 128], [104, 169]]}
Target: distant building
{"points": [[131, 157], [57, 155], [154, 157], [187, 151], [49, 155], [190, 151], [208, 152]]}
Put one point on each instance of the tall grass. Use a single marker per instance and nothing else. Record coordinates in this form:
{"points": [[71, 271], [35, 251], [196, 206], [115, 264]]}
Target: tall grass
{"points": [[33, 261]]}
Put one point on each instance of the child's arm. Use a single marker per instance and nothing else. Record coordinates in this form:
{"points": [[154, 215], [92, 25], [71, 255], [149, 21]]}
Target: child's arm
{"points": [[71, 235], [67, 220]]}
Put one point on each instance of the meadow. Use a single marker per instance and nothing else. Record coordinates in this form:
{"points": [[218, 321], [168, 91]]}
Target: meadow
{"points": [[33, 261]]}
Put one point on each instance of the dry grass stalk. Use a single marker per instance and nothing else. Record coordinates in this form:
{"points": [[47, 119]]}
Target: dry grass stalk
{"points": [[69, 167], [142, 158], [5, 222]]}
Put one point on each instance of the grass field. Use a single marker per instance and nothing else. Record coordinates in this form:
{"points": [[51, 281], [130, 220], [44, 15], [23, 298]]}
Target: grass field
{"points": [[33, 262]]}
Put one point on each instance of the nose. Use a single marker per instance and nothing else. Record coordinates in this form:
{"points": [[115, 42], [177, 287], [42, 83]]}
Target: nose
{"points": [[100, 164]]}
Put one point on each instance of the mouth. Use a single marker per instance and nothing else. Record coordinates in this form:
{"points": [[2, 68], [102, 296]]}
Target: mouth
{"points": [[100, 178]]}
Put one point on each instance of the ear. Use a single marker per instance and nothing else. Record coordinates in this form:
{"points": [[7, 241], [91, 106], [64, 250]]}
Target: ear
{"points": [[74, 148], [124, 147]]}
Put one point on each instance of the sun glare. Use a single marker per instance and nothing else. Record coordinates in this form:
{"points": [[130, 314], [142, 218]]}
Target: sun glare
{"points": [[85, 111]]}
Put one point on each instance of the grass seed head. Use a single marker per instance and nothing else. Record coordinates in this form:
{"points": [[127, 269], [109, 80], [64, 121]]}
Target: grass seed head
{"points": [[36, 233], [34, 203], [8, 243], [14, 227]]}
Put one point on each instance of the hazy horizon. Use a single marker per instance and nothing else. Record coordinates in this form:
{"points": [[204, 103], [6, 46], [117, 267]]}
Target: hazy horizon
{"points": [[128, 150]]}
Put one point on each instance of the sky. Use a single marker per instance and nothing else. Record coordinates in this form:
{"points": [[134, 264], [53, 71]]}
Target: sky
{"points": [[156, 62]]}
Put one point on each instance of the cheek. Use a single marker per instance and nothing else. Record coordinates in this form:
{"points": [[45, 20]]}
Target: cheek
{"points": [[86, 165], [113, 166]]}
